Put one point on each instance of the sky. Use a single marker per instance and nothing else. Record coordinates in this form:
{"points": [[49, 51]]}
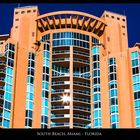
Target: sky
{"points": [[131, 11]]}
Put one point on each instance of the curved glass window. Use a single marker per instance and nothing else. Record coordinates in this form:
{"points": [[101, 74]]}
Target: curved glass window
{"points": [[70, 38]]}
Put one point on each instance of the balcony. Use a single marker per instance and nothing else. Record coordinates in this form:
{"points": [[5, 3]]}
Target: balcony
{"points": [[2, 72], [2, 56], [60, 53], [60, 118], [61, 61], [60, 109], [60, 125], [85, 92], [56, 101], [1, 89], [2, 64], [80, 54], [81, 85], [81, 110], [81, 49], [2, 81], [58, 91], [62, 76], [81, 118], [79, 125], [81, 102], [58, 84], [81, 77], [1, 98], [1, 107], [80, 62]]}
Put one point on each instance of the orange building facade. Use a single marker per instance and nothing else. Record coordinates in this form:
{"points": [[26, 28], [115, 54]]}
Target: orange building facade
{"points": [[68, 69]]}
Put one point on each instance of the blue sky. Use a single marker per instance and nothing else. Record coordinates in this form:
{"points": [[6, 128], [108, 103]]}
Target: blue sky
{"points": [[132, 11]]}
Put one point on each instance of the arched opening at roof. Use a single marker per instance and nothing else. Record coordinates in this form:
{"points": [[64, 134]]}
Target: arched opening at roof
{"points": [[71, 19]]}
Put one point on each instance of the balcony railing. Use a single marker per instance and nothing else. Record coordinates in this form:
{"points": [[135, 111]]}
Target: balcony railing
{"points": [[60, 116], [81, 116], [60, 82], [79, 124], [82, 91], [56, 99], [60, 59], [60, 52], [62, 74], [58, 91], [60, 107], [80, 75], [82, 84], [81, 60], [67, 51], [81, 108], [60, 124], [68, 59], [75, 91], [81, 100], [57, 116], [78, 52]]}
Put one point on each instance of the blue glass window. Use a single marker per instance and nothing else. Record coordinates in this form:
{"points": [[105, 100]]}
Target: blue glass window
{"points": [[30, 105], [113, 92], [47, 62], [45, 111], [29, 96], [95, 50], [96, 97], [136, 78], [114, 109], [6, 123], [137, 121], [114, 118], [135, 62], [6, 114], [97, 113], [9, 70], [8, 96], [136, 87], [45, 85], [7, 105], [137, 103], [97, 122], [137, 112], [134, 55]]}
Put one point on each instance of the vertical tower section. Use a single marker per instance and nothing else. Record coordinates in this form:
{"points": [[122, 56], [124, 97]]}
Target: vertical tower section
{"points": [[115, 42], [7, 73], [30, 91], [45, 82], [135, 83], [96, 93], [24, 32], [70, 80], [113, 93]]}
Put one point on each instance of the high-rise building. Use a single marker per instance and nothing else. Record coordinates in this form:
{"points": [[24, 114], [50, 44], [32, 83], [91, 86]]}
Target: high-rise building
{"points": [[68, 69]]}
